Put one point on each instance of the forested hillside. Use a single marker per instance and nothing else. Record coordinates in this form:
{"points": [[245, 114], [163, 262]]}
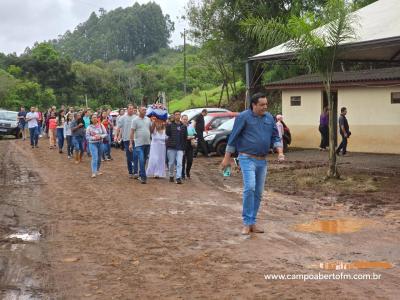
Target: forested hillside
{"points": [[123, 33], [123, 56]]}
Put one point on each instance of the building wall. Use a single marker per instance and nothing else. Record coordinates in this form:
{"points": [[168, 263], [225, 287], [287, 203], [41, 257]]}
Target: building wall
{"points": [[374, 121]]}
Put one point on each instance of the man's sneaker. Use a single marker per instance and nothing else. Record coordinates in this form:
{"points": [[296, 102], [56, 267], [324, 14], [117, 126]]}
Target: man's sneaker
{"points": [[142, 180], [136, 176], [69, 156], [171, 179], [130, 176], [178, 181]]}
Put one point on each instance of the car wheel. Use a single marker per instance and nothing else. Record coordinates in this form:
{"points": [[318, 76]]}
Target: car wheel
{"points": [[220, 149]]}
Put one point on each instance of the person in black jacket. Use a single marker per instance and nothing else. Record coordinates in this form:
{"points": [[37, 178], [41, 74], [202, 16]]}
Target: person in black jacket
{"points": [[344, 131], [176, 145], [200, 126]]}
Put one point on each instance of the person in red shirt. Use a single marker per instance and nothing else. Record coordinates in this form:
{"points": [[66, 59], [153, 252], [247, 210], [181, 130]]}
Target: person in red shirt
{"points": [[52, 129]]}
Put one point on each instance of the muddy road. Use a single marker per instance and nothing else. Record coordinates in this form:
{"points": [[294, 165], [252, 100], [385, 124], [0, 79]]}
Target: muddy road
{"points": [[65, 235]]}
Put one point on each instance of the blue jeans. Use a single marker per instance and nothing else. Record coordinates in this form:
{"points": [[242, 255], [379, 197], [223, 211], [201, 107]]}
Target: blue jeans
{"points": [[106, 150], [96, 151], [343, 145], [60, 138], [34, 135], [143, 153], [131, 159], [77, 141], [175, 156], [70, 146], [254, 173]]}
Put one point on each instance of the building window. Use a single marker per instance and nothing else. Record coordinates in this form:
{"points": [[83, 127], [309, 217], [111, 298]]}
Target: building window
{"points": [[295, 101], [396, 98]]}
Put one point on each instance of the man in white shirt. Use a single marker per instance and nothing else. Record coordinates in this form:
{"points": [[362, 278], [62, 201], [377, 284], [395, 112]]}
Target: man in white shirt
{"points": [[32, 119]]}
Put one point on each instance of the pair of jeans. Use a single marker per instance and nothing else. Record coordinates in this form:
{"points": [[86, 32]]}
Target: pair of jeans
{"points": [[324, 130], [96, 151], [70, 146], [131, 158], [106, 150], [142, 153], [77, 141], [254, 172], [187, 161], [60, 138], [343, 145], [34, 136], [202, 144], [85, 144], [175, 156]]}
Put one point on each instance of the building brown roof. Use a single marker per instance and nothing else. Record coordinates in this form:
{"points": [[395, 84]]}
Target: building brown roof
{"points": [[372, 77]]}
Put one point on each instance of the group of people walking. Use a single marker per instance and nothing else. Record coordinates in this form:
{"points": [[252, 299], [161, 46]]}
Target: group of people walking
{"points": [[165, 145], [153, 147]]}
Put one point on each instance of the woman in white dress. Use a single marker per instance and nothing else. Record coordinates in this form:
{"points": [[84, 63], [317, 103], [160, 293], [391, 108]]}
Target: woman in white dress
{"points": [[156, 165]]}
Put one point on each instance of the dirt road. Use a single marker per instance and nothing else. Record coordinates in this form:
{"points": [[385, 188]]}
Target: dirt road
{"points": [[113, 238]]}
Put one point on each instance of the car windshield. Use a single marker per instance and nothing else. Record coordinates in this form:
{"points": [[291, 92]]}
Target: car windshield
{"points": [[228, 125], [8, 115]]}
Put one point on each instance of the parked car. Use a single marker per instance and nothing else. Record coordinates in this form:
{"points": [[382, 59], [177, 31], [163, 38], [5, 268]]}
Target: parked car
{"points": [[214, 120], [194, 112], [8, 123], [218, 139]]}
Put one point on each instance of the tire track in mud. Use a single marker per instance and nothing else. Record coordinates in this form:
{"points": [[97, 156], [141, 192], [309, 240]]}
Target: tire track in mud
{"points": [[24, 267]]}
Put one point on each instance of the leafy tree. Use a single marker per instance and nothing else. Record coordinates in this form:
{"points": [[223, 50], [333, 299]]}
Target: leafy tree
{"points": [[315, 49]]}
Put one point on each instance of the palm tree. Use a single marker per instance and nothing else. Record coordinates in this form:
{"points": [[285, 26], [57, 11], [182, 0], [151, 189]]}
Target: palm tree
{"points": [[314, 47]]}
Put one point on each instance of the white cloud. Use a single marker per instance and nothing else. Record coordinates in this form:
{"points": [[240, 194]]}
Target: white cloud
{"points": [[23, 22]]}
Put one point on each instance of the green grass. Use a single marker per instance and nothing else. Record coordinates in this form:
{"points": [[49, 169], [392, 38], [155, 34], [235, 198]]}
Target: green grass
{"points": [[198, 98]]}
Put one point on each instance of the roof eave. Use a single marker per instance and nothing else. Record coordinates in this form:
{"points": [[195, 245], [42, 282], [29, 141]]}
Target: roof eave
{"points": [[291, 54], [372, 83]]}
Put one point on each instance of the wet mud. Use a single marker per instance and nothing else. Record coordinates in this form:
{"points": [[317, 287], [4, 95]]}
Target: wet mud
{"points": [[65, 235]]}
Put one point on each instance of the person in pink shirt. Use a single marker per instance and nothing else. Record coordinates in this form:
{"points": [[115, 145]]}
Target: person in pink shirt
{"points": [[52, 129]]}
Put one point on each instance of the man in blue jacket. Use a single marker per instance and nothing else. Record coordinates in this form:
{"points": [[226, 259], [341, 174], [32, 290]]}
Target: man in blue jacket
{"points": [[253, 133]]}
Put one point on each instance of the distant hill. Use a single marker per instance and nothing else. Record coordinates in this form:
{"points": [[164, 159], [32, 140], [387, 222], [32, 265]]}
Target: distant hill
{"points": [[123, 33]]}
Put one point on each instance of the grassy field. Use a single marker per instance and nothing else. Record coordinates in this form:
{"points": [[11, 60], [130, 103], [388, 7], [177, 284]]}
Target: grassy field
{"points": [[198, 98]]}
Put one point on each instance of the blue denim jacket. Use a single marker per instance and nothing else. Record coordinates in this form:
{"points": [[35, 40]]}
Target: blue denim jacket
{"points": [[253, 134]]}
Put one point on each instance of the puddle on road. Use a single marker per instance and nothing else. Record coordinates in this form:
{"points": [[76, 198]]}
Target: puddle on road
{"points": [[27, 236], [176, 212], [356, 265], [334, 226], [20, 295]]}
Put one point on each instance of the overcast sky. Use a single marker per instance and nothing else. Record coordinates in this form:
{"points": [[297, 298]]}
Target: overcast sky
{"points": [[23, 22]]}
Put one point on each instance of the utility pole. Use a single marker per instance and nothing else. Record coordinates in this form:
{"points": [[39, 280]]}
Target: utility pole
{"points": [[184, 61]]}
